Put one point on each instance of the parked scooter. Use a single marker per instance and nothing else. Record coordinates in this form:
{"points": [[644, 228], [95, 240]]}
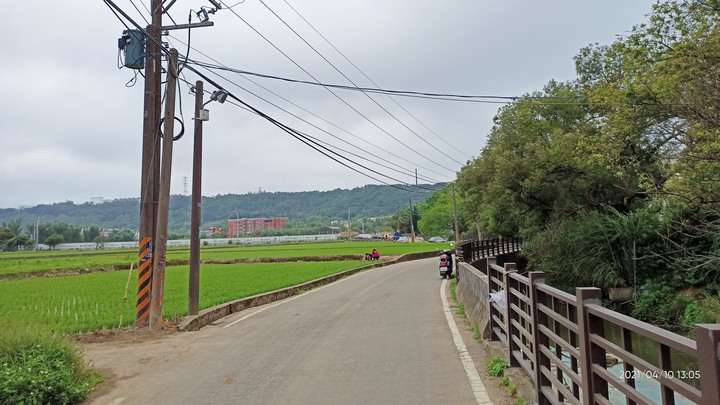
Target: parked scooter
{"points": [[446, 264]]}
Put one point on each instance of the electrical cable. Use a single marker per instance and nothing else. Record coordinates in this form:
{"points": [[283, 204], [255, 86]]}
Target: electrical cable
{"points": [[378, 147], [338, 97], [355, 85], [406, 172], [140, 12], [299, 136], [316, 141], [308, 139], [492, 99], [372, 81], [229, 7]]}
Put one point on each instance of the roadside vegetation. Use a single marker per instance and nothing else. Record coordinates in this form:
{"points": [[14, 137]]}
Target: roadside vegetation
{"points": [[41, 367], [16, 263], [88, 302]]}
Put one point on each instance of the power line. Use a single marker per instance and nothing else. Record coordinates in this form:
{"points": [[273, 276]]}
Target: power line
{"points": [[371, 81], [309, 112], [354, 84], [302, 138], [115, 9], [405, 172], [409, 172], [338, 97], [470, 98]]}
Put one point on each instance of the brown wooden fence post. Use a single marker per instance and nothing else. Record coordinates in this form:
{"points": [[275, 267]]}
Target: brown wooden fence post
{"points": [[510, 315], [590, 354], [488, 263], [539, 340], [707, 337]]}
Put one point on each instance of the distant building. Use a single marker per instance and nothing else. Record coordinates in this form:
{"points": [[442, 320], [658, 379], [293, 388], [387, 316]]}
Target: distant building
{"points": [[96, 200], [330, 230], [248, 226]]}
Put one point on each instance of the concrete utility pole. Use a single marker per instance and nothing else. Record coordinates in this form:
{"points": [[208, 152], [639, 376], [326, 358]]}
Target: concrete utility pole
{"points": [[397, 204], [150, 163], [455, 217], [412, 226], [150, 178], [158, 276], [194, 284]]}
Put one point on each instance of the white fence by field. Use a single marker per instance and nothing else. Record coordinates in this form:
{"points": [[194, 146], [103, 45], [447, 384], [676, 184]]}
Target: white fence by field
{"points": [[204, 242]]}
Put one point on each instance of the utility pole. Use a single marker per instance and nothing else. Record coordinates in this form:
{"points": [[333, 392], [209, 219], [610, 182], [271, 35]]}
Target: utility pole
{"points": [[412, 226], [455, 217], [150, 177], [158, 276], [194, 285], [150, 164], [397, 204]]}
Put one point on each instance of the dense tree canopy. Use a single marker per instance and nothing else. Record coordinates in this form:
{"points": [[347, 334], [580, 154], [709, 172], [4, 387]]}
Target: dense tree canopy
{"points": [[613, 178]]}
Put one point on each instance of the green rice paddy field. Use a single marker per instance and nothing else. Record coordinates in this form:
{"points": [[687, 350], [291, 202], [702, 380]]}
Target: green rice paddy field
{"points": [[79, 303]]}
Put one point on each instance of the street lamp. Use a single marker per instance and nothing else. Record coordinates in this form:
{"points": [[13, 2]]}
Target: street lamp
{"points": [[201, 114]]}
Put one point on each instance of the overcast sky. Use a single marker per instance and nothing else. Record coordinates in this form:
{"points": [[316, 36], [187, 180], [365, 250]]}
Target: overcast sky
{"points": [[71, 121]]}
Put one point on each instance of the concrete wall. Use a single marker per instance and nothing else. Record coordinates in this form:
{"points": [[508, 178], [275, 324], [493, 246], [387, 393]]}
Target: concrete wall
{"points": [[472, 291]]}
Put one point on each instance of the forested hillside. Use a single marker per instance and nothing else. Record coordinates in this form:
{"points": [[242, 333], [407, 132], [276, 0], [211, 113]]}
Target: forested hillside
{"points": [[310, 207]]}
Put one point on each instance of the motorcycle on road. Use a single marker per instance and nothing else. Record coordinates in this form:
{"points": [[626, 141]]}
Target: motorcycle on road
{"points": [[446, 264]]}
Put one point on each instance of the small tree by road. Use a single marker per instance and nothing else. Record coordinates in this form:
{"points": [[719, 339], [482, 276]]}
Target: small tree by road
{"points": [[54, 240]]}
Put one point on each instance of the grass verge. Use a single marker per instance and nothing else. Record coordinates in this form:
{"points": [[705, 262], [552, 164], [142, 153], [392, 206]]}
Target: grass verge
{"points": [[88, 302], [39, 367]]}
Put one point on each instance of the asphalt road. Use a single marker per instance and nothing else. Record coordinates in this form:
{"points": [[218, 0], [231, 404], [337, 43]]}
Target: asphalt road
{"points": [[378, 337]]}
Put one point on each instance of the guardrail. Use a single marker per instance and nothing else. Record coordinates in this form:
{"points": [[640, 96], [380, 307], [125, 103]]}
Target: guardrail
{"points": [[471, 251], [564, 343]]}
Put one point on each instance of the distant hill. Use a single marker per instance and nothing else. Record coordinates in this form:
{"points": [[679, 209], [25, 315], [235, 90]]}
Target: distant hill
{"points": [[303, 207]]}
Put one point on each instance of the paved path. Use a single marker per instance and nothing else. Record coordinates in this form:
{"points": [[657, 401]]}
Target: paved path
{"points": [[379, 337]]}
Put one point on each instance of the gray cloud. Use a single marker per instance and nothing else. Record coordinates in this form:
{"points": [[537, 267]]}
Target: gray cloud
{"points": [[71, 129]]}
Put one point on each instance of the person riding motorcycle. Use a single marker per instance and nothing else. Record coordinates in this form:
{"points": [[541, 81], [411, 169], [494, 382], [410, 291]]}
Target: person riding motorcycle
{"points": [[446, 258]]}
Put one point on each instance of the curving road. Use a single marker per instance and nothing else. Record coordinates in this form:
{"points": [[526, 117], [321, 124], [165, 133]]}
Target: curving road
{"points": [[379, 337]]}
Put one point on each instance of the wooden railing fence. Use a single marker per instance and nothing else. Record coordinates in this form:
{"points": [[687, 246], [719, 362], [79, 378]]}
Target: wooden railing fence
{"points": [[564, 341]]}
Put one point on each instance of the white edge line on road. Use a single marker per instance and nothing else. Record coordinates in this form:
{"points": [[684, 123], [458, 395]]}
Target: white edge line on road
{"points": [[286, 300], [476, 383]]}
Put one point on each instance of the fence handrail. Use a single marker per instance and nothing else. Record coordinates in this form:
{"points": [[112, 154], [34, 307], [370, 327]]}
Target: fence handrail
{"points": [[560, 339]]}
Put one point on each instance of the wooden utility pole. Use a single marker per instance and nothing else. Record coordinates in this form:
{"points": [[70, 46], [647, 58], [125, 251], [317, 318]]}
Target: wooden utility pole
{"points": [[160, 256], [194, 284], [150, 164]]}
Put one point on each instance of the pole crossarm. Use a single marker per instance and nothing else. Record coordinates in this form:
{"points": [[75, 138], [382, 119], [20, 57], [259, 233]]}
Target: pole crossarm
{"points": [[186, 26]]}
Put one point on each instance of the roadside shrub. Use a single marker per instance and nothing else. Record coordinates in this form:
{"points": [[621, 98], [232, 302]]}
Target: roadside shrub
{"points": [[496, 366], [696, 313], [661, 305], [41, 368], [601, 248]]}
